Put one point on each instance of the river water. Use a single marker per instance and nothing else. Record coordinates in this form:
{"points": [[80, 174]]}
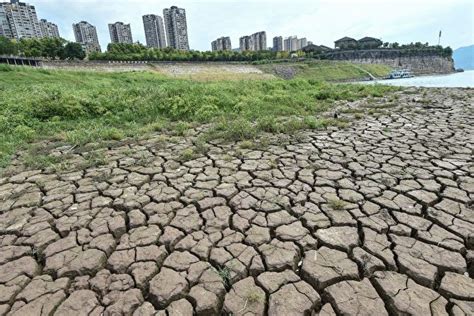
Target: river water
{"points": [[458, 79]]}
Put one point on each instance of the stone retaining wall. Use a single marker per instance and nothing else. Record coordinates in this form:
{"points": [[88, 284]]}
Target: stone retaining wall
{"points": [[422, 62], [169, 68], [95, 65], [427, 62]]}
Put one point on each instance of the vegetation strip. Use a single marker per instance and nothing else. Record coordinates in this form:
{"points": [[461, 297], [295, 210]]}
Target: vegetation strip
{"points": [[87, 107]]}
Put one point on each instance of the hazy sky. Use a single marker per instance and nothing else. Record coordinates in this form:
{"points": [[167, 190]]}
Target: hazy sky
{"points": [[321, 21]]}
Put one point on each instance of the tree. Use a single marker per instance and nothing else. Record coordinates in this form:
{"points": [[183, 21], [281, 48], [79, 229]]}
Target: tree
{"points": [[448, 52], [73, 51], [8, 47], [31, 47], [53, 47]]}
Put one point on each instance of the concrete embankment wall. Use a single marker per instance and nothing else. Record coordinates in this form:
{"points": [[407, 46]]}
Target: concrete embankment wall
{"points": [[423, 62], [419, 62], [418, 65], [169, 68], [94, 65]]}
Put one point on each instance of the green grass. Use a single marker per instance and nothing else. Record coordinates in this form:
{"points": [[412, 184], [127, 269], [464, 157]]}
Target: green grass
{"points": [[325, 70], [336, 204], [82, 107]]}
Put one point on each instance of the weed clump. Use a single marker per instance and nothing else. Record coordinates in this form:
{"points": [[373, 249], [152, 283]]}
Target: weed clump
{"points": [[187, 154], [336, 204]]}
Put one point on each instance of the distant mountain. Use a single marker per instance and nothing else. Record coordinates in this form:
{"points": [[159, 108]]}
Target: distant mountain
{"points": [[464, 57]]}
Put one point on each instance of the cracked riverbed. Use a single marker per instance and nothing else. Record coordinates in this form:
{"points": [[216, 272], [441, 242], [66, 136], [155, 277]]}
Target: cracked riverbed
{"points": [[373, 219]]}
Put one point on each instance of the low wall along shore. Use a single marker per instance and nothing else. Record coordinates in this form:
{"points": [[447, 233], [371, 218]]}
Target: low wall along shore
{"points": [[95, 65], [418, 65], [419, 62], [422, 62]]}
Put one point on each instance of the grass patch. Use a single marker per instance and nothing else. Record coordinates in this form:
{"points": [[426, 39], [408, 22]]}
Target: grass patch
{"points": [[247, 144], [94, 159], [187, 154], [254, 297], [352, 111], [224, 273], [79, 107], [337, 205], [41, 161]]}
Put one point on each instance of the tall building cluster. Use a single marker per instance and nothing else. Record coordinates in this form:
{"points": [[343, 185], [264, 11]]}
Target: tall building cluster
{"points": [[222, 43], [19, 20], [254, 42], [289, 44], [172, 31], [169, 31], [120, 33]]}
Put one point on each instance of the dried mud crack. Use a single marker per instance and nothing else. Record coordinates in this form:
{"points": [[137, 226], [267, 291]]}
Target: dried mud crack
{"points": [[373, 219]]}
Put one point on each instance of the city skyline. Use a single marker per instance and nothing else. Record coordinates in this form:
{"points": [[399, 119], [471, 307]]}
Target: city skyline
{"points": [[307, 23]]}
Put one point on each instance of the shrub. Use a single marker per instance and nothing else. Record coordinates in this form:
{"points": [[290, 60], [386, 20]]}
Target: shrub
{"points": [[24, 132], [55, 103], [269, 124], [233, 130], [112, 134], [6, 68]]}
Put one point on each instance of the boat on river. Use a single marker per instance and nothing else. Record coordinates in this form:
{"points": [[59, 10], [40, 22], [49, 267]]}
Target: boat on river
{"points": [[399, 74]]}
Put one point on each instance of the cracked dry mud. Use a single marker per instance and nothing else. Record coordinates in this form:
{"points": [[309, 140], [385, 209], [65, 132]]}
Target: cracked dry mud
{"points": [[373, 219]]}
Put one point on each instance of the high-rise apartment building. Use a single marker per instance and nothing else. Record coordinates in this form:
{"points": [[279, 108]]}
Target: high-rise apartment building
{"points": [[154, 31], [291, 44], [222, 43], [302, 42], [245, 43], [19, 20], [260, 41], [278, 44], [49, 29], [254, 42], [176, 28], [120, 33], [5, 29], [86, 34]]}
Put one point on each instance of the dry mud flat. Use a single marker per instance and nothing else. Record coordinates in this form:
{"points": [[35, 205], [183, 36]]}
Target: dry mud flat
{"points": [[211, 71], [373, 219]]}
